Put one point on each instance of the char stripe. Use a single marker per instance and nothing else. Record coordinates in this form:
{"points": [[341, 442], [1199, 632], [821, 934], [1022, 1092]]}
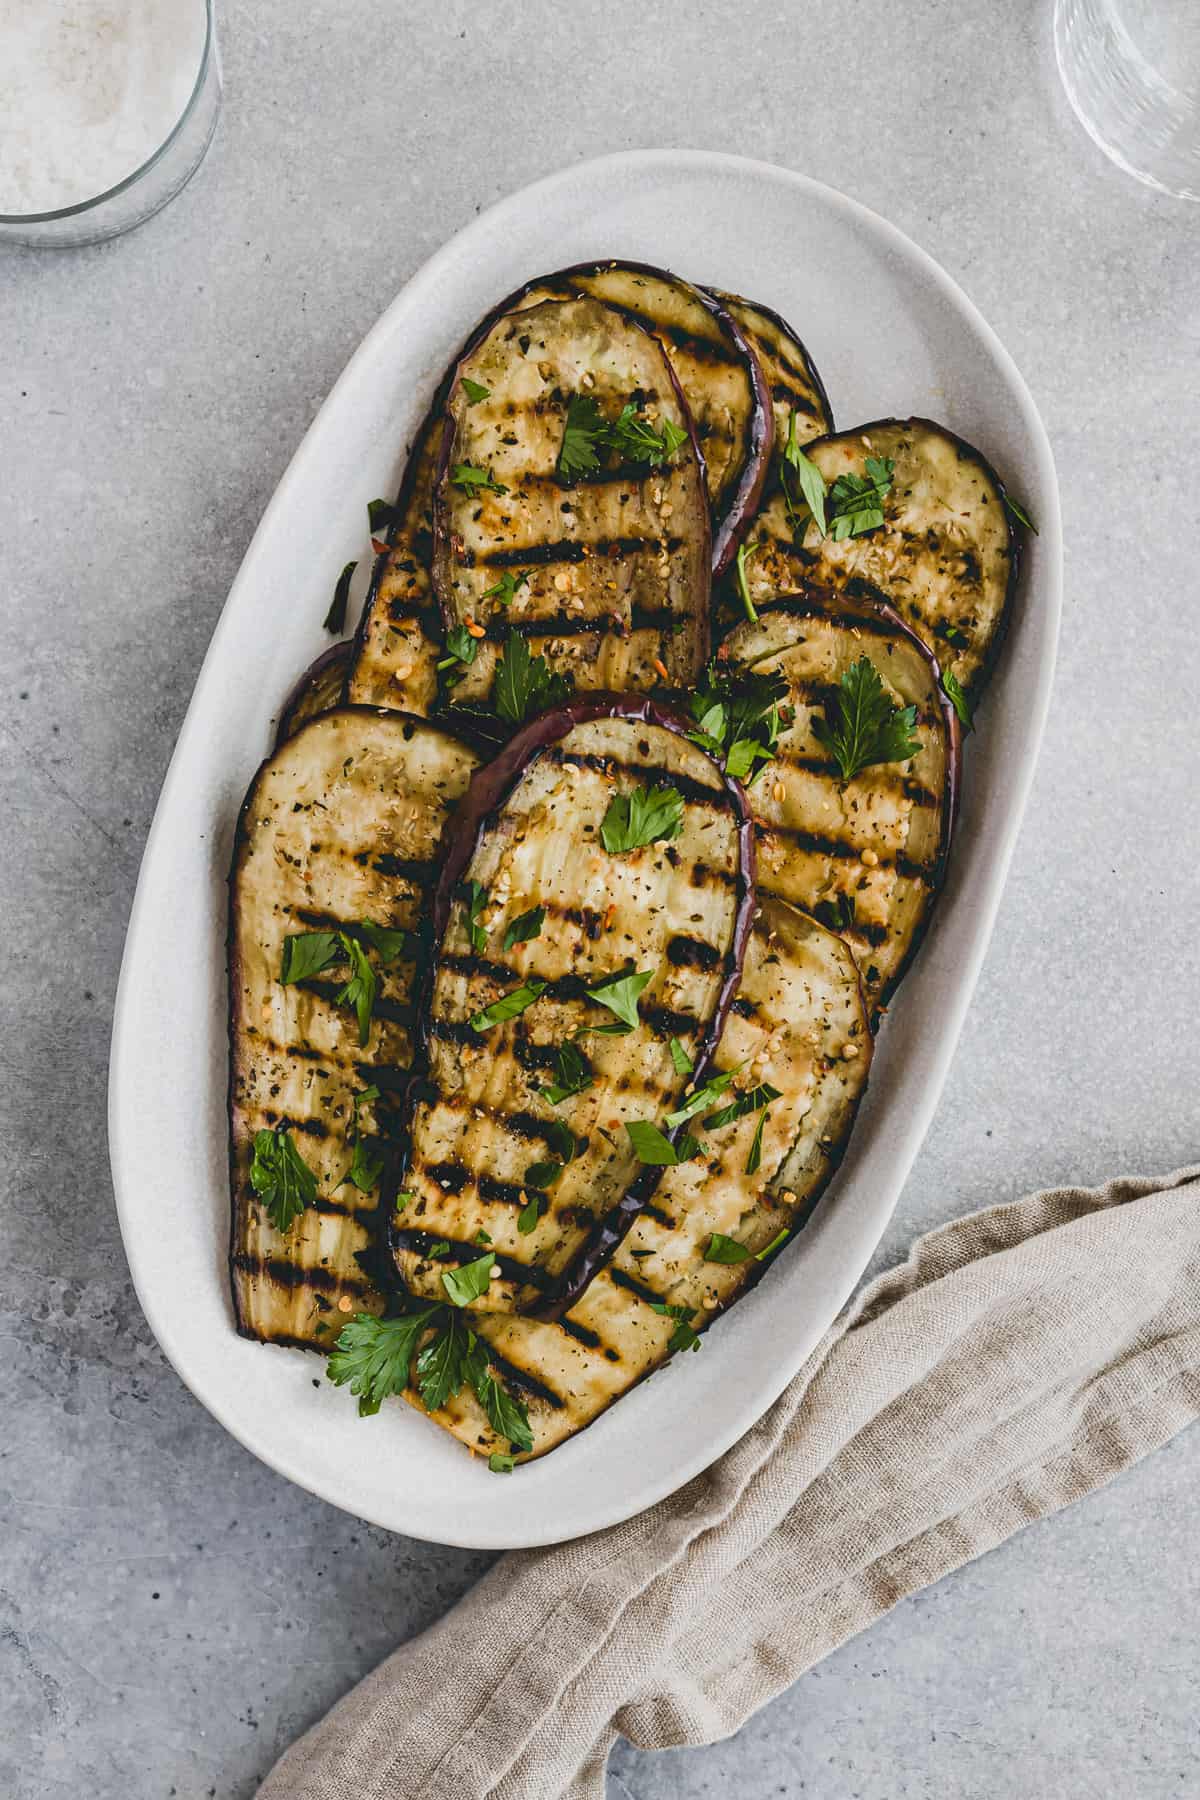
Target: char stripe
{"points": [[568, 550], [659, 621], [453, 1177], [515, 1376], [583, 1334], [701, 348], [290, 1275], [692, 953], [419, 1243], [396, 1012], [825, 766], [633, 1286], [418, 869], [820, 844], [646, 774]]}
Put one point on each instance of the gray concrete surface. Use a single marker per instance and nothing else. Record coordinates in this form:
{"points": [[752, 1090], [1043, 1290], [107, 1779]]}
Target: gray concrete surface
{"points": [[171, 1613]]}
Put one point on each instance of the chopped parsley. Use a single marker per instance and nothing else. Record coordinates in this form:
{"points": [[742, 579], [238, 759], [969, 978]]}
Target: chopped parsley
{"points": [[862, 726], [1018, 512], [335, 618], [504, 591], [474, 480], [500, 1464], [373, 1356], [642, 816], [722, 1249], [475, 897], [508, 1006], [957, 699], [382, 515], [461, 648], [588, 437], [703, 1096], [856, 501], [470, 1280], [530, 1213], [308, 953], [750, 1102], [780, 1237], [799, 471], [754, 1160], [365, 1166], [525, 684], [739, 717], [474, 390], [281, 1178], [742, 580], [387, 944], [683, 1337], [680, 1058]]}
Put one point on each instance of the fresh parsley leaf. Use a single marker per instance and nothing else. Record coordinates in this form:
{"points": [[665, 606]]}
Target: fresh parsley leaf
{"points": [[473, 479], [679, 1056], [583, 438], [335, 618], [474, 390], [683, 1337], [856, 501], [806, 475], [866, 727], [749, 1102], [482, 1237], [957, 699], [953, 634], [1018, 512], [754, 1160], [642, 816], [619, 993], [475, 897], [470, 1280], [436, 1251], [461, 647], [281, 1178], [703, 1096], [359, 992], [504, 591], [387, 944], [440, 1365], [561, 1139], [651, 1146], [739, 716], [506, 1415], [530, 1213], [381, 515], [525, 926], [365, 1168], [525, 684], [588, 435], [306, 953], [635, 440], [573, 1074], [373, 1356], [837, 914], [508, 1006], [542, 1175], [500, 1464], [770, 1249], [402, 1199], [722, 1249], [742, 580]]}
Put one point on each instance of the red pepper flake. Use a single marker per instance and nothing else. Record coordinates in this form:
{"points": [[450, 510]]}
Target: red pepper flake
{"points": [[660, 668], [475, 630], [379, 547]]}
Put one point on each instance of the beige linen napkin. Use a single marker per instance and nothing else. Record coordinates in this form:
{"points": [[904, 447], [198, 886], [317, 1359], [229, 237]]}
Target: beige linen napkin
{"points": [[1020, 1358]]}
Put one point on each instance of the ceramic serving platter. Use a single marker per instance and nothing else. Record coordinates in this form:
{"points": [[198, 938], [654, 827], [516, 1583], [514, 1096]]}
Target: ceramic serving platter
{"points": [[892, 334]]}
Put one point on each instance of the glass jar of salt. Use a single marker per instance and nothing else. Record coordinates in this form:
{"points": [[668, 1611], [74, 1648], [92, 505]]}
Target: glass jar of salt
{"points": [[106, 109]]}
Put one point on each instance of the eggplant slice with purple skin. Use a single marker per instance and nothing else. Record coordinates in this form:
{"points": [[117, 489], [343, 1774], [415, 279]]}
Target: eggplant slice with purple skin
{"points": [[532, 911], [606, 574], [945, 556], [342, 825], [794, 386], [866, 856], [318, 690], [800, 1025]]}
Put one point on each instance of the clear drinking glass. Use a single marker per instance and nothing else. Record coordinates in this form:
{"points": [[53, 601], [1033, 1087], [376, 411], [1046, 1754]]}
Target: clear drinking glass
{"points": [[168, 169], [1131, 69]]}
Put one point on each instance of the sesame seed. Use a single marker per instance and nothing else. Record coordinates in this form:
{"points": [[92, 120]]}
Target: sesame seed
{"points": [[869, 859], [345, 1304]]}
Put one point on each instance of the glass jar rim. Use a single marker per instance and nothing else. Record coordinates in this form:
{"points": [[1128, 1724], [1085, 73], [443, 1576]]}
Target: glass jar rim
{"points": [[86, 206]]}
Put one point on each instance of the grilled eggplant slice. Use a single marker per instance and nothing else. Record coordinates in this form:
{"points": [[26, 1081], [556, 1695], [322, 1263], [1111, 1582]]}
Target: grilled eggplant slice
{"points": [[792, 379], [945, 556], [800, 1024], [611, 570], [718, 368], [342, 824], [864, 856], [317, 691], [529, 845]]}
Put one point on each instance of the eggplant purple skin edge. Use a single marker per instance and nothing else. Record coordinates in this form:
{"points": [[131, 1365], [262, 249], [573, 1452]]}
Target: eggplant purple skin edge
{"points": [[489, 789], [233, 978], [738, 516], [339, 653], [817, 603], [777, 319], [858, 588]]}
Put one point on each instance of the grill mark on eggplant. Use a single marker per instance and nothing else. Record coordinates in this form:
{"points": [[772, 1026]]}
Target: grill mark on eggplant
{"points": [[583, 1334], [561, 624], [632, 1285], [822, 844], [745, 1009], [692, 953], [388, 1076], [569, 550], [516, 1376], [702, 349], [396, 1012], [911, 789], [683, 952], [291, 1275], [454, 1177], [417, 869], [696, 793]]}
